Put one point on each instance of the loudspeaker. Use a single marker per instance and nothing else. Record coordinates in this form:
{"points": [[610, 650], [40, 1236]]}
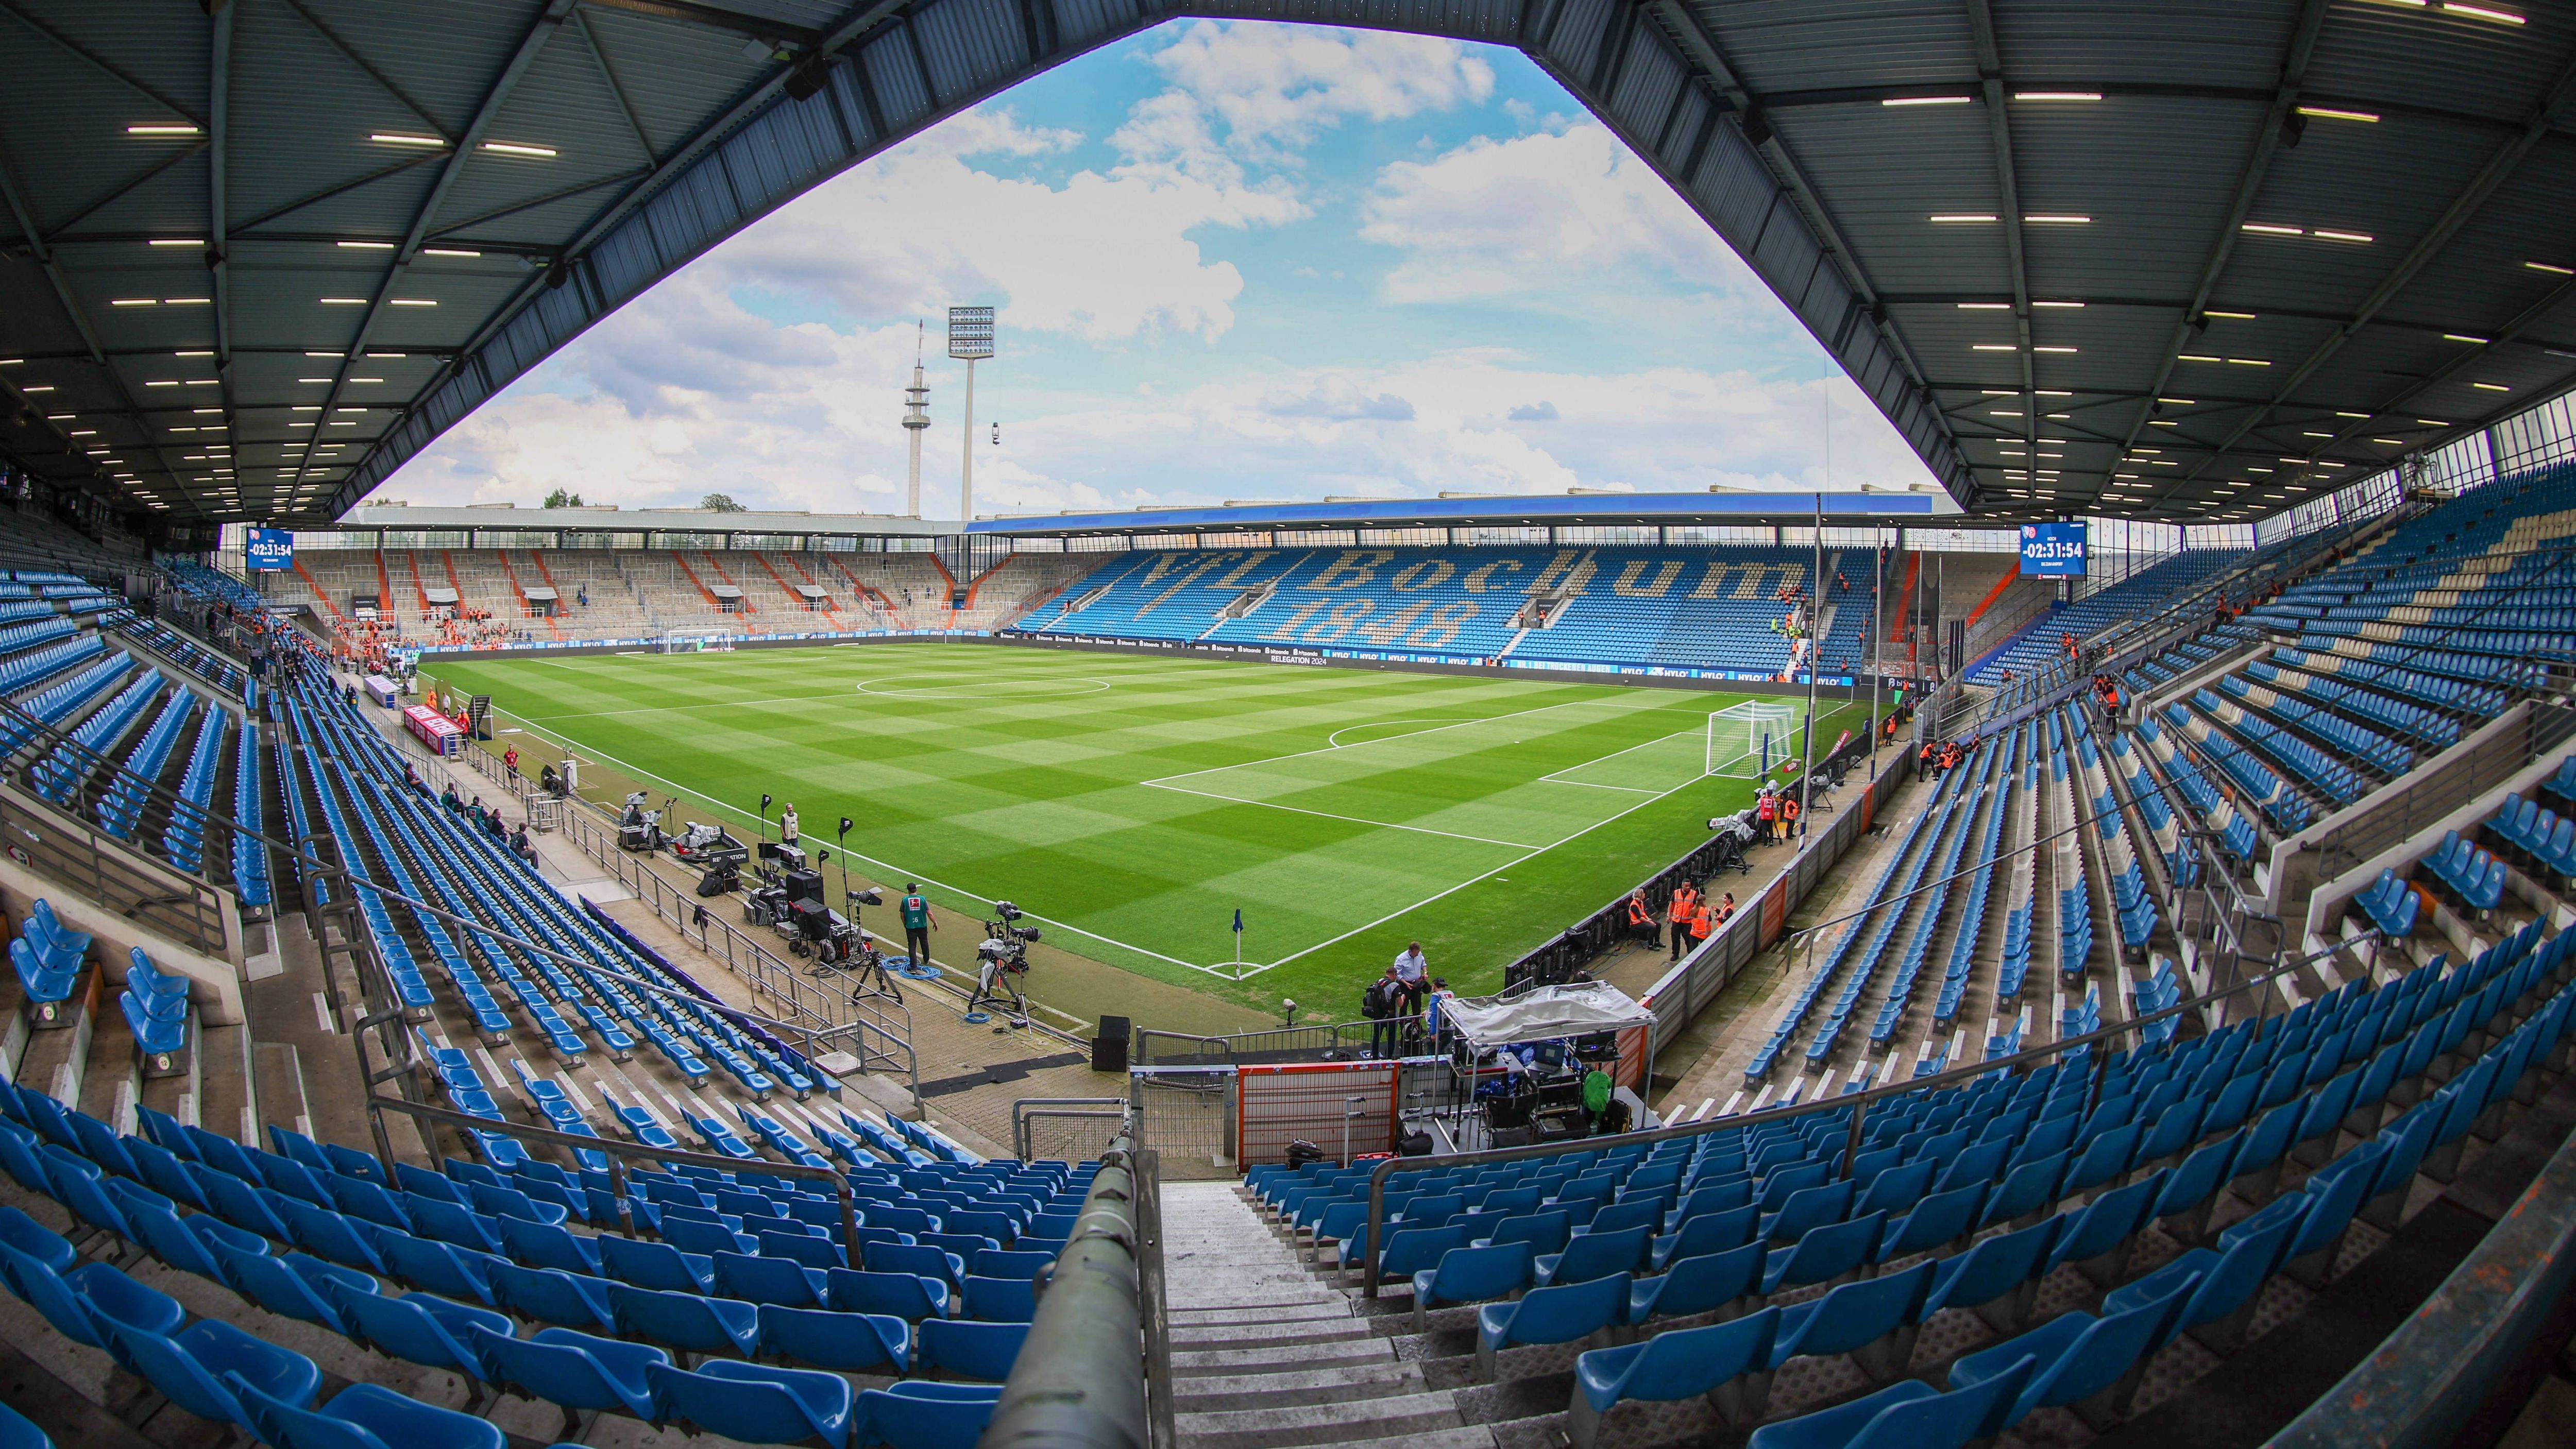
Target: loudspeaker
{"points": [[1109, 1048], [804, 885]]}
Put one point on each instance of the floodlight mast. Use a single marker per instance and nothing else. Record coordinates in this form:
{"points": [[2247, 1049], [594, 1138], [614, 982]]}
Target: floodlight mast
{"points": [[916, 418], [970, 340]]}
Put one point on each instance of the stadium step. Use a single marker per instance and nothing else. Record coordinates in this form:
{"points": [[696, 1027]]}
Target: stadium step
{"points": [[1263, 1355]]}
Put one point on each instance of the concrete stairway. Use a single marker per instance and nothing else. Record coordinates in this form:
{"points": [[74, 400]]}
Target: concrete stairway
{"points": [[1266, 1353]]}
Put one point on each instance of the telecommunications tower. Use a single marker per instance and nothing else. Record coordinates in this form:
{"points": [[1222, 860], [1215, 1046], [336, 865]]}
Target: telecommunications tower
{"points": [[916, 418], [970, 340]]}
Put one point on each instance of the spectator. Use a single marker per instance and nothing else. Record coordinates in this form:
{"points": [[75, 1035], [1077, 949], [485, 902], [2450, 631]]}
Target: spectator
{"points": [[510, 761], [1413, 972], [1383, 1006], [1596, 1096]]}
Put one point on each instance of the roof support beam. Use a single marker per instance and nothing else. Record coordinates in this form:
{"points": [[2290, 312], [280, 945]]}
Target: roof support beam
{"points": [[368, 68], [1990, 78], [1700, 49], [716, 17], [100, 63], [121, 191], [14, 196], [2249, 182], [2481, 186], [459, 157], [860, 20], [219, 91], [2529, 317]]}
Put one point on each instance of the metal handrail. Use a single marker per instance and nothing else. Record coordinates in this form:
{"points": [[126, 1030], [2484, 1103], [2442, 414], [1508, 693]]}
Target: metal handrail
{"points": [[1021, 1113], [616, 1150], [1859, 1102], [1096, 1348]]}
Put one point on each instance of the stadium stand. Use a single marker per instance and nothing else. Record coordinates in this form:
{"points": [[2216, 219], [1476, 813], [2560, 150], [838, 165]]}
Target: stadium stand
{"points": [[495, 598], [1711, 608]]}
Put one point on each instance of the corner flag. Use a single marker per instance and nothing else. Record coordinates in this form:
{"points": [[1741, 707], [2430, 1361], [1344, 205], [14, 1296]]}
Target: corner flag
{"points": [[1238, 920]]}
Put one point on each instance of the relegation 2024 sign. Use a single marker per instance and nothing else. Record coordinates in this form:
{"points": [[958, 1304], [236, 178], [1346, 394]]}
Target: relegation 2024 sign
{"points": [[2052, 550]]}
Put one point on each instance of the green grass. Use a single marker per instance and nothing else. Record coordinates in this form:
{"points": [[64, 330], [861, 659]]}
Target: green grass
{"points": [[1133, 804]]}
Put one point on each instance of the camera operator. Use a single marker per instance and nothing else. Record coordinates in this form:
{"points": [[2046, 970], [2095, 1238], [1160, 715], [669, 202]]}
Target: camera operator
{"points": [[918, 919], [1383, 1005]]}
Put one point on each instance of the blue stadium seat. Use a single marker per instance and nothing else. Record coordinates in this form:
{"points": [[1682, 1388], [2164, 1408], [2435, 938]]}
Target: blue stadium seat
{"points": [[756, 1403], [364, 1416], [964, 1349], [1468, 1275], [1908, 1414], [841, 1342], [689, 1321], [1706, 1283], [1874, 1320], [1998, 1277], [917, 1415], [1563, 1313], [1728, 1363], [575, 1370], [201, 1368], [2090, 1365]]}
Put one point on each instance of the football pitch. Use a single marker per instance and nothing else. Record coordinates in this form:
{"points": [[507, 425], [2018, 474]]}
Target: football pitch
{"points": [[1133, 805]]}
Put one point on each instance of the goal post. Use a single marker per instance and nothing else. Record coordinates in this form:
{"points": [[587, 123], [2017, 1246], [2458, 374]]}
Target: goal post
{"points": [[697, 641], [1746, 740]]}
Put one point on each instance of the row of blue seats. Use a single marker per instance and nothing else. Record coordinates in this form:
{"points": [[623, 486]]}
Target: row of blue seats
{"points": [[2420, 721], [2474, 877], [47, 957], [1979, 1135], [478, 880], [1866, 937], [2010, 1263], [1973, 825], [2539, 834], [343, 1296], [229, 1377], [1963, 948], [2078, 1360]]}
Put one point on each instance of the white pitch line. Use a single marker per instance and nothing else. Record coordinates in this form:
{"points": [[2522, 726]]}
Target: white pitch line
{"points": [[740, 814], [1352, 819], [1364, 744], [1497, 870]]}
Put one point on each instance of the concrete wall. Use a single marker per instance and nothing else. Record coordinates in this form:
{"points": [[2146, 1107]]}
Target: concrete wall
{"points": [[215, 986]]}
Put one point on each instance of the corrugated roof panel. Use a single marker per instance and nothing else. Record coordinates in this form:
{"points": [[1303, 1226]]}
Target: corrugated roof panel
{"points": [[2430, 57], [1804, 45], [445, 54], [675, 76], [972, 44], [2141, 168], [2069, 44]]}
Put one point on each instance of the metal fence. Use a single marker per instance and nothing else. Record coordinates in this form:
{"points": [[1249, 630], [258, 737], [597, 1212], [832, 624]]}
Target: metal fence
{"points": [[1067, 1129], [61, 845], [1187, 1115]]}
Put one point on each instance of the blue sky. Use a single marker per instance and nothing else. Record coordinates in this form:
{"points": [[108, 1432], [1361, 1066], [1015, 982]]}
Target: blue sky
{"points": [[1254, 261]]}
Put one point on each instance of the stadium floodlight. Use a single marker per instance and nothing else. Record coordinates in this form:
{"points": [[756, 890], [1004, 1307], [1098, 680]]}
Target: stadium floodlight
{"points": [[970, 340]]}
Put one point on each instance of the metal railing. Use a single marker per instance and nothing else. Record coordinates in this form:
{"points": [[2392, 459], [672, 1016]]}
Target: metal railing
{"points": [[1095, 1369], [2431, 794], [1372, 1232], [106, 872], [617, 1152], [1159, 1048], [1088, 1109], [600, 817]]}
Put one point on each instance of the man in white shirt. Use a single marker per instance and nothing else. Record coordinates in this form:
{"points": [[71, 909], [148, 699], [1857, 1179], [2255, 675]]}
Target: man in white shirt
{"points": [[787, 825], [1413, 973]]}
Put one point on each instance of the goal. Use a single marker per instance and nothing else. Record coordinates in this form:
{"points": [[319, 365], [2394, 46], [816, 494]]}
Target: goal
{"points": [[697, 641], [1746, 740]]}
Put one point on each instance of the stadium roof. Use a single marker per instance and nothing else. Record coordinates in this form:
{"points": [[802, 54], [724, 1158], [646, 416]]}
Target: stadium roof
{"points": [[1590, 510], [2154, 259]]}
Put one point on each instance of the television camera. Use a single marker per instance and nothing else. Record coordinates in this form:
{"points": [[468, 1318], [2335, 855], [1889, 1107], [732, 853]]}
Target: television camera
{"points": [[713, 852], [1733, 836], [639, 828], [1002, 962]]}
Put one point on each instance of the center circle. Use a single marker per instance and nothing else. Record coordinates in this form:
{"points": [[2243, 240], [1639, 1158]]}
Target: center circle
{"points": [[941, 687]]}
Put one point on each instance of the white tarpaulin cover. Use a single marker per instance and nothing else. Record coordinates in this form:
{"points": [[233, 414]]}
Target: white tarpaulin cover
{"points": [[1544, 1014]]}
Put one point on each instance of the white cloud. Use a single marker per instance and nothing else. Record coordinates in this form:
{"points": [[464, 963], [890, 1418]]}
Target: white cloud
{"points": [[1277, 86], [1492, 218]]}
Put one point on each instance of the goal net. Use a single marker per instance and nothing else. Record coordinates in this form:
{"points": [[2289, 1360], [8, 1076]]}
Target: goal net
{"points": [[1746, 740], [697, 641]]}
